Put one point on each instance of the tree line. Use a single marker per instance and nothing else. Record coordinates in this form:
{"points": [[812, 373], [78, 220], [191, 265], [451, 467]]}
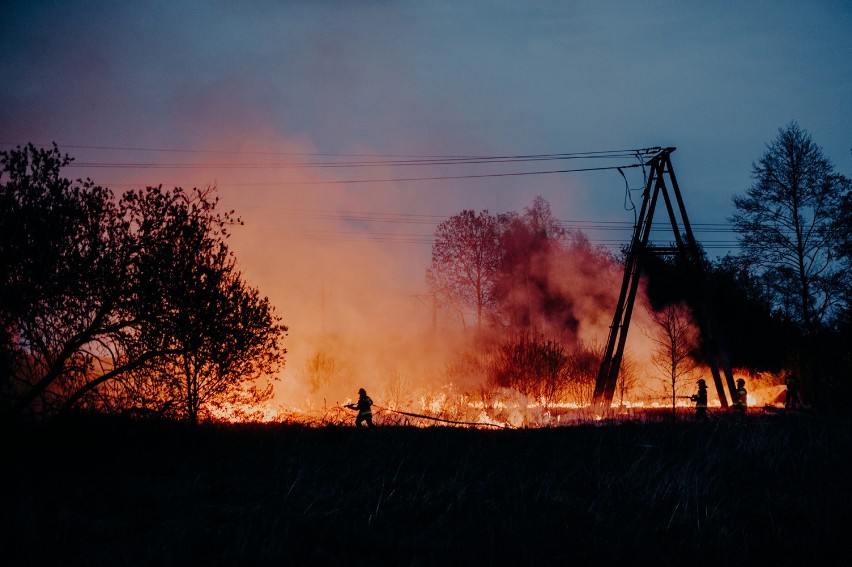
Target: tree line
{"points": [[124, 303], [782, 302]]}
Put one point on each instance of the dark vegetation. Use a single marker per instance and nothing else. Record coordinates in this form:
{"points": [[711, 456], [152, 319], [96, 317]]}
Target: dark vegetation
{"points": [[123, 303], [755, 336], [106, 490]]}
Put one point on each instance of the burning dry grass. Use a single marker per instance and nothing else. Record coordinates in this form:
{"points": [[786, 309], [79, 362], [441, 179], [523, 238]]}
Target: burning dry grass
{"points": [[107, 491], [554, 402]]}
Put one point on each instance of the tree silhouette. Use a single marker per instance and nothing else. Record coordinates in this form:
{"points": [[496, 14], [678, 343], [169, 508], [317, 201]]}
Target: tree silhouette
{"points": [[68, 282], [100, 295], [787, 226], [465, 258], [223, 335], [675, 341]]}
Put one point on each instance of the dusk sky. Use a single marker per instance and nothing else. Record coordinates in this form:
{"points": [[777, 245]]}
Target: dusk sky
{"points": [[242, 88]]}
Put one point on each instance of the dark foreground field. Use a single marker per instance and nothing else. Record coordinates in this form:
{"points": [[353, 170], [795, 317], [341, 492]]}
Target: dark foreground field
{"points": [[103, 491]]}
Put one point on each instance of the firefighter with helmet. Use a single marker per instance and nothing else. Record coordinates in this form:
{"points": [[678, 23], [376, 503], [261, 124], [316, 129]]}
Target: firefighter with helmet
{"points": [[700, 399], [741, 399], [364, 405]]}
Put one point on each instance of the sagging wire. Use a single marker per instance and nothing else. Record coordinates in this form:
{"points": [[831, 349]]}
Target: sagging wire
{"points": [[628, 198], [642, 165]]}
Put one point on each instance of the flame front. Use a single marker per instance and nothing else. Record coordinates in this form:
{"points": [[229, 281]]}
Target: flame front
{"points": [[504, 408]]}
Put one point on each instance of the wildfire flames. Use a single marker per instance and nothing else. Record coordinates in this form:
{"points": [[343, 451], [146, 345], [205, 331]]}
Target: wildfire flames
{"points": [[351, 327], [504, 408]]}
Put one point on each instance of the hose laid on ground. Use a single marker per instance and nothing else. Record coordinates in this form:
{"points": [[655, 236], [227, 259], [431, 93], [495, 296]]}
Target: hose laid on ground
{"points": [[429, 417], [421, 416]]}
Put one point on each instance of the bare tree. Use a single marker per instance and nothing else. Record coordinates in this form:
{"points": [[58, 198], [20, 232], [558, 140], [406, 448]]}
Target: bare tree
{"points": [[465, 258], [628, 377], [675, 341], [787, 226]]}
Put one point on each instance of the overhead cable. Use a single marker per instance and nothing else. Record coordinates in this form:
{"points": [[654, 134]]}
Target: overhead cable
{"points": [[406, 179], [645, 151]]}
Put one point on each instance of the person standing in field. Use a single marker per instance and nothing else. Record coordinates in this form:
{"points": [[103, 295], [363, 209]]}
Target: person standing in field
{"points": [[364, 405], [791, 401], [741, 399], [700, 400]]}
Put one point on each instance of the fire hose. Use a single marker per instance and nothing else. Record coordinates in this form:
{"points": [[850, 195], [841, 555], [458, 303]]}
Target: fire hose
{"points": [[439, 419]]}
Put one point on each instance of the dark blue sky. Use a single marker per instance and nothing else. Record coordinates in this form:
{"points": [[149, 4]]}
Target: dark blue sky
{"points": [[714, 79]]}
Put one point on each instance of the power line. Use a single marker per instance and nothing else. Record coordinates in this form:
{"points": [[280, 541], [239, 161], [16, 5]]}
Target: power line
{"points": [[344, 160], [409, 161], [423, 239], [406, 179], [422, 219], [374, 217], [589, 228], [603, 153], [339, 164], [371, 161]]}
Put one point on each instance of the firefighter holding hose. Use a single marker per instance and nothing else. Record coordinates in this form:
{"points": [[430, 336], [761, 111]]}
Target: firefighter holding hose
{"points": [[741, 400], [700, 399], [364, 405]]}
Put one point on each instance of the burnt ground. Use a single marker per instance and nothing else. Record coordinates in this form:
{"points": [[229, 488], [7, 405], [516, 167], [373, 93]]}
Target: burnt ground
{"points": [[99, 490]]}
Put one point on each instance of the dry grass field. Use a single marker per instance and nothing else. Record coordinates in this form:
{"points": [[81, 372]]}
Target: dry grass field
{"points": [[107, 491]]}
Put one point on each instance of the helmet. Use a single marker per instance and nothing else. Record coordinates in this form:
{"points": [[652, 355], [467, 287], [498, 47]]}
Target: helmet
{"points": [[362, 392], [740, 382], [702, 383]]}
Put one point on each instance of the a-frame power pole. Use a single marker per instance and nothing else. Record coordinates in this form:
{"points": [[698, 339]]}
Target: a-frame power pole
{"points": [[685, 245]]}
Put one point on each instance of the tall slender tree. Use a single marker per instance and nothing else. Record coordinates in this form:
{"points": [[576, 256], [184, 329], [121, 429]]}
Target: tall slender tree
{"points": [[675, 343], [786, 222]]}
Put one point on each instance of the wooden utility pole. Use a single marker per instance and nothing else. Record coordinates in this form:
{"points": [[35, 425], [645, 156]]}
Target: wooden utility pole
{"points": [[686, 246]]}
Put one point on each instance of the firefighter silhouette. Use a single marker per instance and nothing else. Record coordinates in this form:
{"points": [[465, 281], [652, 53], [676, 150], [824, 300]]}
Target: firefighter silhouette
{"points": [[741, 399], [791, 401], [700, 399], [364, 405]]}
